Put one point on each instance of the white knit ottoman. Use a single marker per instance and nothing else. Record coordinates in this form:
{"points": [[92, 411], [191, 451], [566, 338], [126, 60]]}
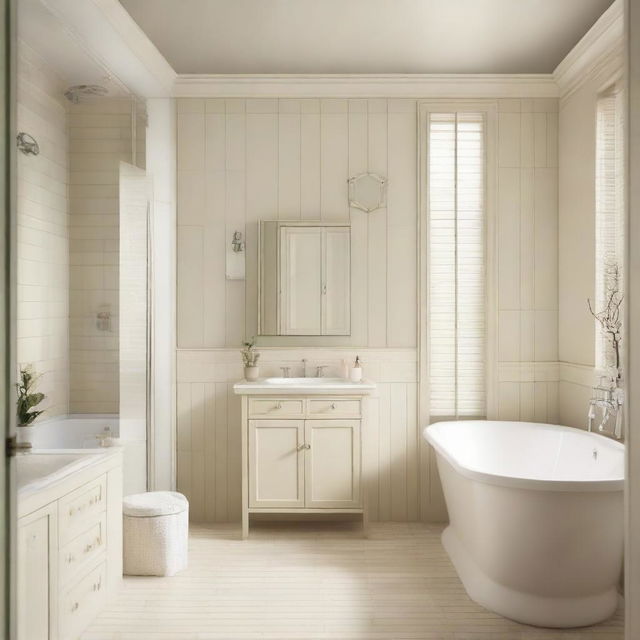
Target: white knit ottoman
{"points": [[156, 532]]}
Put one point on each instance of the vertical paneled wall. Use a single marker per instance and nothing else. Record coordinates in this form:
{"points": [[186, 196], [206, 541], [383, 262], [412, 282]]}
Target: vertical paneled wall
{"points": [[527, 261], [240, 161], [100, 133], [577, 265], [43, 231], [208, 426]]}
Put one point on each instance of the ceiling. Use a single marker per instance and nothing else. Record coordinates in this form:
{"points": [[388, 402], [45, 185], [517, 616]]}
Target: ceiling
{"points": [[55, 45], [365, 36]]}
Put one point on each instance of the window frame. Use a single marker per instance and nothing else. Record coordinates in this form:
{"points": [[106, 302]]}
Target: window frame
{"points": [[613, 88], [489, 109]]}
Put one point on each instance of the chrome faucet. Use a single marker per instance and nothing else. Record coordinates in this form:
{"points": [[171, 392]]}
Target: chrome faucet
{"points": [[609, 398], [320, 370], [286, 372]]}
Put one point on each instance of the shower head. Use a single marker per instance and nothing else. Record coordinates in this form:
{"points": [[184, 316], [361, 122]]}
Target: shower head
{"points": [[77, 92]]}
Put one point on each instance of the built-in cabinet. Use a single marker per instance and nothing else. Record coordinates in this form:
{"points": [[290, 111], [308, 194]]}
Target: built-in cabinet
{"points": [[301, 455], [69, 552]]}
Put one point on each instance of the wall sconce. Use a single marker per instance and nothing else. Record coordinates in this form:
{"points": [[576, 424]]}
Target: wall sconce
{"points": [[27, 144], [236, 242]]}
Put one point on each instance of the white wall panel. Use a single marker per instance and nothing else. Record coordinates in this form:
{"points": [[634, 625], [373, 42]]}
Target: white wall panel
{"points": [[303, 151]]}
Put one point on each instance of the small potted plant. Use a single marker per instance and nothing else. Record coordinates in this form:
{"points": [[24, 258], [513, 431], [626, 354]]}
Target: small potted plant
{"points": [[25, 405], [250, 359]]}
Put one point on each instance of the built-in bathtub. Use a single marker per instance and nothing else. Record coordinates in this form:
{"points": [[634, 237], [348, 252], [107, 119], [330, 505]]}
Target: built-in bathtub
{"points": [[536, 518], [76, 431], [85, 431]]}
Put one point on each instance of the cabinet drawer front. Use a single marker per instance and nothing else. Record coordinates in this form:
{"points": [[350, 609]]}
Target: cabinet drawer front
{"points": [[327, 408], [274, 407], [80, 507], [80, 603], [82, 550]]}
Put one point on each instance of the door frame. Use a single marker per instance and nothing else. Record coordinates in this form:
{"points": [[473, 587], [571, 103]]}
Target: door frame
{"points": [[7, 321]]}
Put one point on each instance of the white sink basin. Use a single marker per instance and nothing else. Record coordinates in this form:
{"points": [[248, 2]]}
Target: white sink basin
{"points": [[308, 386]]}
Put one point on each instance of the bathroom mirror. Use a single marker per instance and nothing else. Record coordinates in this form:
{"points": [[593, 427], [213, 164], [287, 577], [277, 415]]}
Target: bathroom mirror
{"points": [[304, 279], [367, 191]]}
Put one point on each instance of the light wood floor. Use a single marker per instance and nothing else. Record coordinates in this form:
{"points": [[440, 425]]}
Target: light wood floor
{"points": [[315, 580]]}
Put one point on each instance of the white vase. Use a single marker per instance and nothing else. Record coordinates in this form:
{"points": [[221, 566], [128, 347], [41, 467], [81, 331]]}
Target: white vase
{"points": [[251, 373], [24, 436]]}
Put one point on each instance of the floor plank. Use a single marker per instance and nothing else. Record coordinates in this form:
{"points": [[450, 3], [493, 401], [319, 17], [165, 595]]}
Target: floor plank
{"points": [[308, 581]]}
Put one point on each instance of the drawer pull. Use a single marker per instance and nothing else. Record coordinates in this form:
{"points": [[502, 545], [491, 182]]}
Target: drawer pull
{"points": [[304, 446], [70, 558], [75, 606], [333, 406], [97, 585], [278, 405]]}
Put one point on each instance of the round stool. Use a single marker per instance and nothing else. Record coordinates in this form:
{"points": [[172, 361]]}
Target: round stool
{"points": [[155, 533]]}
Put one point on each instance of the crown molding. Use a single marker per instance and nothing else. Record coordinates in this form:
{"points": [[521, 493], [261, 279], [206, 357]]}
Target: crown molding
{"points": [[596, 49], [366, 86], [110, 37]]}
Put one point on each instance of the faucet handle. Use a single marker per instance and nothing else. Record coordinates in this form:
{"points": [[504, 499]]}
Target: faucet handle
{"points": [[320, 370], [286, 372]]}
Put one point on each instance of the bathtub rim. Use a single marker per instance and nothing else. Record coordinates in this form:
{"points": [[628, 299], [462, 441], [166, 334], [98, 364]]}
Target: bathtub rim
{"points": [[517, 482]]}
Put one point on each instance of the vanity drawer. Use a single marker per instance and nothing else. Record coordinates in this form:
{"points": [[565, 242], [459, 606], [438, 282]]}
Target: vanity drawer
{"points": [[80, 603], [83, 550], [270, 407], [328, 408], [81, 508]]}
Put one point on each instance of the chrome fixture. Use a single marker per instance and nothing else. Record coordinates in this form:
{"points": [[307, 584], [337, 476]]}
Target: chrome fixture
{"points": [[286, 372], [609, 397], [237, 243], [27, 144], [103, 319], [304, 367], [77, 92], [320, 370]]}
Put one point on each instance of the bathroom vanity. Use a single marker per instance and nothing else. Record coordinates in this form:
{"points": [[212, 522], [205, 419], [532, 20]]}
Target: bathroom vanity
{"points": [[301, 446], [69, 539]]}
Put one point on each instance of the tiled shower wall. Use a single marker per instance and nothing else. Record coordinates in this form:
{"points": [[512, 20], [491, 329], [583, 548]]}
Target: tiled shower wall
{"points": [[240, 161], [43, 231], [101, 134]]}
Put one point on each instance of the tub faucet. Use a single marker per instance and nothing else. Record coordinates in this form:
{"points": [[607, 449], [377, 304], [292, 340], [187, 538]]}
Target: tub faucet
{"points": [[609, 398]]}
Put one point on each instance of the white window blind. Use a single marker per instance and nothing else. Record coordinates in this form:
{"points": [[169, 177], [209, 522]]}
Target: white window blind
{"points": [[456, 261], [609, 209]]}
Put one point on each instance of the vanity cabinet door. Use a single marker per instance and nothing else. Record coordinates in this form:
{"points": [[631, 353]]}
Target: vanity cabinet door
{"points": [[276, 463], [332, 464], [36, 573]]}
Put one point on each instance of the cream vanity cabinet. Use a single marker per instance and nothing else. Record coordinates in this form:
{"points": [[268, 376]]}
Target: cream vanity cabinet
{"points": [[301, 454], [69, 543]]}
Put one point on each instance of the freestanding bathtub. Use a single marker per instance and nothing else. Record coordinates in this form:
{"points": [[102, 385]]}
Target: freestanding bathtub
{"points": [[535, 518]]}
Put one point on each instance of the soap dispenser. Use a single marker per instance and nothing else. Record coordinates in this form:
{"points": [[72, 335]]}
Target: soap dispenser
{"points": [[356, 371]]}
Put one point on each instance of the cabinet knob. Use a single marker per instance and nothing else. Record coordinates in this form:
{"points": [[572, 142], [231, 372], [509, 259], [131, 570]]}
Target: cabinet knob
{"points": [[333, 406]]}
